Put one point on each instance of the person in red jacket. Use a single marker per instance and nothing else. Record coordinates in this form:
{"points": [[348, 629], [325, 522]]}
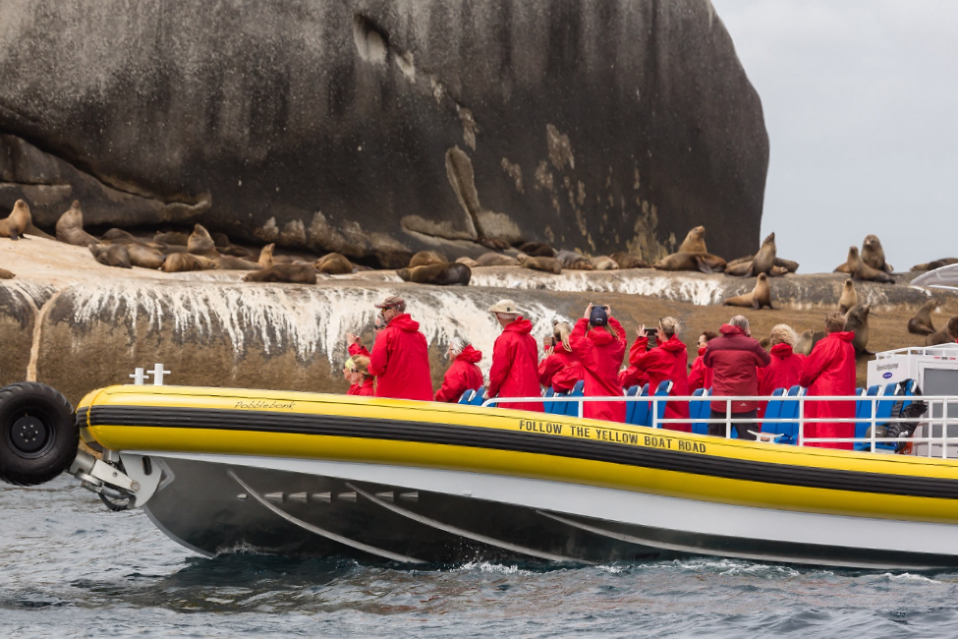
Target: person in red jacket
{"points": [[785, 365], [562, 369], [831, 369], [463, 374], [357, 372], [668, 360], [399, 358], [735, 358], [514, 369], [701, 376], [599, 342]]}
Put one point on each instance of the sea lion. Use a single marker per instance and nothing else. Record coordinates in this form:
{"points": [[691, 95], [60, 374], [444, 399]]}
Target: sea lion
{"points": [[848, 297], [469, 261], [231, 263], [921, 324], [118, 236], [779, 271], [200, 242], [144, 256], [426, 257], [266, 256], [292, 273], [703, 262], [111, 254], [537, 249], [17, 222], [626, 260], [930, 266], [762, 262], [604, 263], [446, 274], [494, 244], [862, 272], [180, 262], [225, 247], [790, 265], [807, 340], [6, 275], [173, 238], [871, 254], [574, 260], [333, 264], [496, 259], [694, 242], [946, 335], [70, 228], [756, 299], [545, 264], [858, 322]]}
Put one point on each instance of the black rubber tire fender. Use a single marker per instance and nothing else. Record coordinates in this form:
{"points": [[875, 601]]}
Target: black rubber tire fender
{"points": [[39, 434]]}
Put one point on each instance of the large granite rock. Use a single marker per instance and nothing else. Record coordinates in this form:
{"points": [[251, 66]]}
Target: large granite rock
{"points": [[377, 128]]}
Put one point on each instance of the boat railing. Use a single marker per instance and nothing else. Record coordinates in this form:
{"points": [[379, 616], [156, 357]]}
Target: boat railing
{"points": [[943, 442]]}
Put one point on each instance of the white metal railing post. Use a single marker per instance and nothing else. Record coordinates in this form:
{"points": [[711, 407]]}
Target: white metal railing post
{"points": [[728, 424], [943, 433], [800, 424], [873, 425]]}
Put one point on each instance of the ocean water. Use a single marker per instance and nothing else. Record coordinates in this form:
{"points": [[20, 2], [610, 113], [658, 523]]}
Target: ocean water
{"points": [[70, 568]]}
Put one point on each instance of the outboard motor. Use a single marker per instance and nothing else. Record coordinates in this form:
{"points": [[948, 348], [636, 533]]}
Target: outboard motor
{"points": [[39, 434]]}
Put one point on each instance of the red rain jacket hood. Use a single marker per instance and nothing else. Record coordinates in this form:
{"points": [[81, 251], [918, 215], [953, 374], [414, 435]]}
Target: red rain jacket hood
{"points": [[399, 360], [463, 375], [667, 361], [734, 358], [514, 369], [700, 375]]}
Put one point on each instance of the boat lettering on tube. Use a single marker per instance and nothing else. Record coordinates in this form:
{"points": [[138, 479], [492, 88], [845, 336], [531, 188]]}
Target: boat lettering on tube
{"points": [[613, 435], [263, 404]]}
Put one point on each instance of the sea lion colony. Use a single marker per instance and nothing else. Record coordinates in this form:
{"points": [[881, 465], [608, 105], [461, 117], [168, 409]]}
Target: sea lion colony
{"points": [[216, 251]]}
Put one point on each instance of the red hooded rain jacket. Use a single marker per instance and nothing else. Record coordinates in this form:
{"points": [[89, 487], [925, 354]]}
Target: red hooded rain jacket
{"points": [[560, 370], [463, 375], [601, 355], [783, 371], [514, 369], [400, 362], [700, 375], [364, 390], [668, 361], [831, 369]]}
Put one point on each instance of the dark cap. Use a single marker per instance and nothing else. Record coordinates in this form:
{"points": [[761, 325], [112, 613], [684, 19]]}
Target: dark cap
{"points": [[598, 316], [391, 302]]}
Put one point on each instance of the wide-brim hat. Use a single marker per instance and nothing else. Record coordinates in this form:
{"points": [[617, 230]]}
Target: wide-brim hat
{"points": [[505, 306], [391, 302]]}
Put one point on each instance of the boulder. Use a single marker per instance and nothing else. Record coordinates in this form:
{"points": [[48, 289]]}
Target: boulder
{"points": [[376, 129]]}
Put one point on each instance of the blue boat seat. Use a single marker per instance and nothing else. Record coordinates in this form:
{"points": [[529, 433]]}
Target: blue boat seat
{"points": [[884, 413], [640, 410], [663, 390], [467, 396], [790, 409], [773, 411], [477, 398], [573, 407], [633, 391], [700, 409]]}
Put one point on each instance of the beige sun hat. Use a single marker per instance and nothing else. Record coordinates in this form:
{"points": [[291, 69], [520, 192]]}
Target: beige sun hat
{"points": [[507, 307]]}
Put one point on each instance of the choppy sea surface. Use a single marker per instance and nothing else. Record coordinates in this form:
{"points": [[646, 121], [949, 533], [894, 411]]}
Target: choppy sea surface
{"points": [[70, 568]]}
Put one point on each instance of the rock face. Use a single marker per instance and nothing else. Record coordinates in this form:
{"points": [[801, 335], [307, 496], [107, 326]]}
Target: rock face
{"points": [[376, 128]]}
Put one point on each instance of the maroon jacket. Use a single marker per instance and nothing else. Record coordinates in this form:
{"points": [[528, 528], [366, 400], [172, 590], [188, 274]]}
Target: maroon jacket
{"points": [[734, 358]]}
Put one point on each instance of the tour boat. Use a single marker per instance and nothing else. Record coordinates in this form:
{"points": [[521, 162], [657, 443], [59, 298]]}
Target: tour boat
{"points": [[229, 470]]}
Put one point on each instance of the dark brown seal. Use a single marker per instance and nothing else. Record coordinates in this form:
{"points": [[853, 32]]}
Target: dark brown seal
{"points": [[604, 263], [111, 254], [807, 340], [426, 257], [545, 264], [292, 273], [930, 266], [848, 297], [871, 254], [694, 242], [921, 323], [118, 236], [173, 238], [17, 222], [450, 274], [862, 272], [626, 260], [858, 322], [762, 262], [755, 299], [537, 249], [266, 256], [333, 264], [70, 228], [703, 262], [231, 263], [6, 275]]}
